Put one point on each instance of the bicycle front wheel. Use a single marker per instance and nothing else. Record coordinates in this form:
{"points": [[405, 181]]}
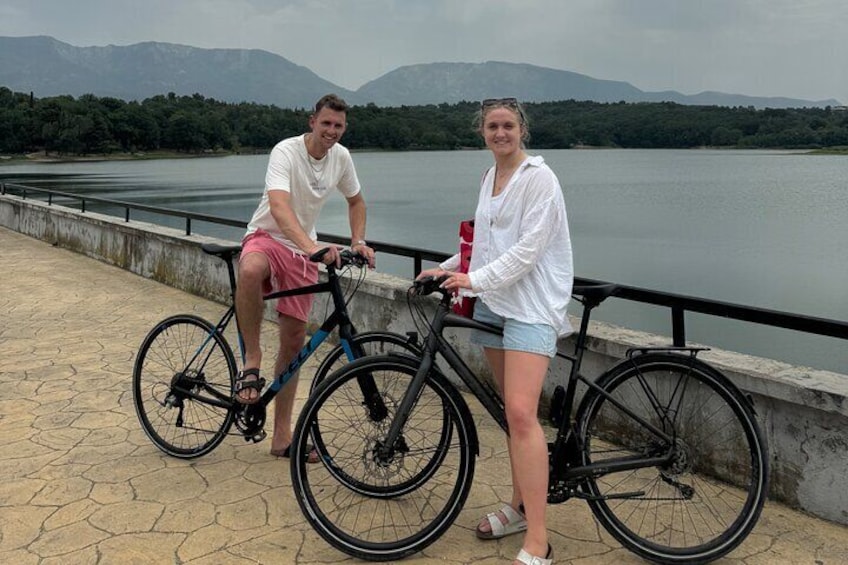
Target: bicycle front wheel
{"points": [[182, 379], [705, 500], [375, 503]]}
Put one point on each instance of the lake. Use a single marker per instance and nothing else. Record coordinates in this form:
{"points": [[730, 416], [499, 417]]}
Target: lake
{"points": [[761, 228]]}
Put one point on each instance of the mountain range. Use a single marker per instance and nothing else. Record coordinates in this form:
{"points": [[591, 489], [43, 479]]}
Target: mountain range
{"points": [[48, 67]]}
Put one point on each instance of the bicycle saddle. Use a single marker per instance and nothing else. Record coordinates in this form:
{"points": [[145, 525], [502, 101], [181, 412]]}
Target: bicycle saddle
{"points": [[595, 292], [223, 251]]}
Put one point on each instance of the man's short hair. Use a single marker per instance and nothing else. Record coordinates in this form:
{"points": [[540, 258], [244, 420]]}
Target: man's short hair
{"points": [[332, 102]]}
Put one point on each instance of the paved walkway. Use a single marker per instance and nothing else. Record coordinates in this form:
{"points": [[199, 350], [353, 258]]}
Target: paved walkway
{"points": [[81, 483]]}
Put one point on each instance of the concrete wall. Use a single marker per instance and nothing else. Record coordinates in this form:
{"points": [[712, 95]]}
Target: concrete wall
{"points": [[803, 412]]}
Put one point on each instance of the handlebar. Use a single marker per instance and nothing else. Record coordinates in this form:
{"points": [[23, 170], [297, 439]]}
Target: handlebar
{"points": [[427, 285], [348, 257]]}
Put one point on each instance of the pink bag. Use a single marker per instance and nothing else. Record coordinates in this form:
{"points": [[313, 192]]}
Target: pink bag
{"points": [[464, 305]]}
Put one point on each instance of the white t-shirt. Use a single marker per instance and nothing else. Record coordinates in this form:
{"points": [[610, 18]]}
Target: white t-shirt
{"points": [[309, 181]]}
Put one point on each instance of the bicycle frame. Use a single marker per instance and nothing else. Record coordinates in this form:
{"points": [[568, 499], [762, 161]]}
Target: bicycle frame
{"points": [[565, 463], [339, 318]]}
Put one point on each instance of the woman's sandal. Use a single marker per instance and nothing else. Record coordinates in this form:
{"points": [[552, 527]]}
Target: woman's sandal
{"points": [[527, 559], [257, 383], [515, 523]]}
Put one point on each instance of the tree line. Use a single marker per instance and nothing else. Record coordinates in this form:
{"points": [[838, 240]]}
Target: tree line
{"points": [[90, 125]]}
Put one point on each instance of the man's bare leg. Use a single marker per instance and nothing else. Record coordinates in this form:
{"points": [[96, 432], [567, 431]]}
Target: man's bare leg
{"points": [[254, 270], [292, 336]]}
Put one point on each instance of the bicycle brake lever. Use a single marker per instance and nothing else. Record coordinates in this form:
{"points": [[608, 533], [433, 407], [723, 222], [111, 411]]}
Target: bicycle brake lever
{"points": [[351, 258], [428, 285]]}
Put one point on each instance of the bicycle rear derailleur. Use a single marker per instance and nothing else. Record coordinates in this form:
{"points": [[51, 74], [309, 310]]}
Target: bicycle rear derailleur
{"points": [[250, 421]]}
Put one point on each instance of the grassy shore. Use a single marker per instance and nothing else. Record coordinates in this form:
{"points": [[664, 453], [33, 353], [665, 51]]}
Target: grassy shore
{"points": [[843, 150]]}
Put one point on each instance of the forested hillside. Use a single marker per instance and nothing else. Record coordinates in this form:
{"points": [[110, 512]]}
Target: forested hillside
{"points": [[91, 125]]}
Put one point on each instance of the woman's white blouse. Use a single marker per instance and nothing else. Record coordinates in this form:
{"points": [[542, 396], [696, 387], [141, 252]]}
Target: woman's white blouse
{"points": [[521, 263]]}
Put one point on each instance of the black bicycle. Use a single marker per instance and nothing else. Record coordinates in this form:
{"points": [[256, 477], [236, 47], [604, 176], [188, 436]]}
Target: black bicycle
{"points": [[185, 370], [663, 447]]}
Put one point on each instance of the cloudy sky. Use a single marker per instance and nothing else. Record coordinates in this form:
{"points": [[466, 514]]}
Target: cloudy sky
{"points": [[794, 48]]}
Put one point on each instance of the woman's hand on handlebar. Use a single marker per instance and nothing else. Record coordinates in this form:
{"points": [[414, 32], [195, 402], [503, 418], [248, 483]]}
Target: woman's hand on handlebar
{"points": [[452, 280], [449, 280], [456, 281], [432, 273]]}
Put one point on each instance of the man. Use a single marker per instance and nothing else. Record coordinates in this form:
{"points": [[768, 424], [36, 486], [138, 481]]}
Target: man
{"points": [[302, 172]]}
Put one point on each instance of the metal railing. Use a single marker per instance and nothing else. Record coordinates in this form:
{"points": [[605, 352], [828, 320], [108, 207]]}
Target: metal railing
{"points": [[678, 304]]}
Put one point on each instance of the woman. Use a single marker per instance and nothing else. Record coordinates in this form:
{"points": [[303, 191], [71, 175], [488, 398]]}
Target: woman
{"points": [[521, 271]]}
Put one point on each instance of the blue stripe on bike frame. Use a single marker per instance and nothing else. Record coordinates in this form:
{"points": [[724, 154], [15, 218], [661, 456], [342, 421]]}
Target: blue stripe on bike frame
{"points": [[348, 350], [205, 343], [241, 347], [316, 340]]}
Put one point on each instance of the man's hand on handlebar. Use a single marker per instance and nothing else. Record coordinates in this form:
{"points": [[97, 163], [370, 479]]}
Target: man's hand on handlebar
{"points": [[327, 254], [339, 257], [366, 252]]}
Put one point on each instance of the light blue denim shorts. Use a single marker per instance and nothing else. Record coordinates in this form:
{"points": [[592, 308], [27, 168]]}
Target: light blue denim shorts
{"points": [[518, 336]]}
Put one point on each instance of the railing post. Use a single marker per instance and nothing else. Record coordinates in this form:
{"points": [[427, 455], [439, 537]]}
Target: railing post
{"points": [[188, 226], [417, 264], [678, 326], [83, 205], [127, 214]]}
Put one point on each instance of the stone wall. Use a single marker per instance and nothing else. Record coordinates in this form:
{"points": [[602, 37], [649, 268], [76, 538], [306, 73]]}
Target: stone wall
{"points": [[802, 411]]}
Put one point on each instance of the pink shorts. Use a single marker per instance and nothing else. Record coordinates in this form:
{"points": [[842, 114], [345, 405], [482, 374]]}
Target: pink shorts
{"points": [[288, 270]]}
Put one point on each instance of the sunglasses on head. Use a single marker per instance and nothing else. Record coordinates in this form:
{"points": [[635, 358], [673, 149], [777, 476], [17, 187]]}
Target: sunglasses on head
{"points": [[510, 102]]}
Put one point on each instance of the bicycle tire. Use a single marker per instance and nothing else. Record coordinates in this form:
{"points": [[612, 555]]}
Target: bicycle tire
{"points": [[184, 351], [372, 343], [355, 520], [705, 501]]}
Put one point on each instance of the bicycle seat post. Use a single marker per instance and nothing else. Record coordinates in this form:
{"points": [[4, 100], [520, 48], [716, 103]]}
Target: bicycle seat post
{"points": [[582, 334], [231, 272]]}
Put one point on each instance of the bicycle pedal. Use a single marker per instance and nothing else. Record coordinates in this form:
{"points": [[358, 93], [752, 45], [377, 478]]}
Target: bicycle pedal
{"points": [[257, 437]]}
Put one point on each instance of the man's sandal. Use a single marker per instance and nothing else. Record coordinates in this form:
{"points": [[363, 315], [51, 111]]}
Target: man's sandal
{"points": [[527, 559], [515, 523], [257, 383], [311, 455]]}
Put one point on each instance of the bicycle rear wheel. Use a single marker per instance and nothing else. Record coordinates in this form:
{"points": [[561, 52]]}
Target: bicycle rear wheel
{"points": [[183, 377], [702, 503], [384, 507]]}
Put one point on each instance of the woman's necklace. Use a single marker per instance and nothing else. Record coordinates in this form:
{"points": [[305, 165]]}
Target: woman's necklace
{"points": [[503, 175]]}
